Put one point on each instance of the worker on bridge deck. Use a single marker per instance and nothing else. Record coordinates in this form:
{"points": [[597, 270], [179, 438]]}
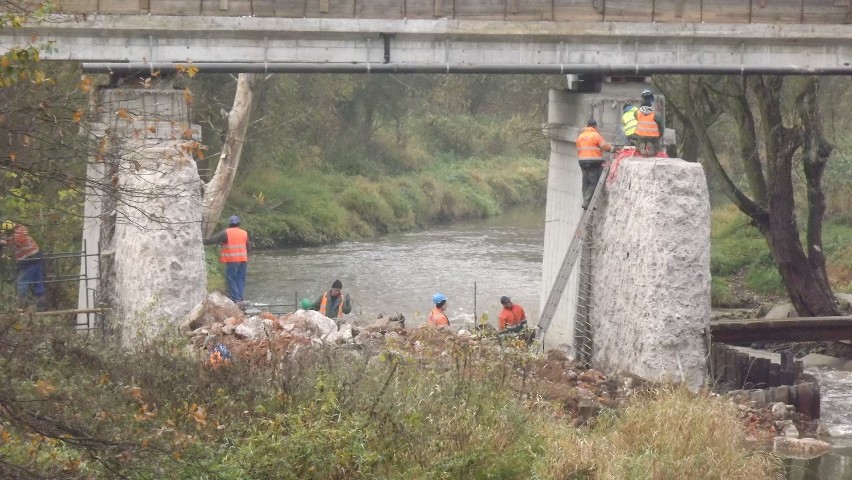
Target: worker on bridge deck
{"points": [[590, 147], [649, 126], [629, 123]]}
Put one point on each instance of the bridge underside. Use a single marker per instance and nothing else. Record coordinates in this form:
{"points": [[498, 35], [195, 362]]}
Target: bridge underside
{"points": [[439, 46]]}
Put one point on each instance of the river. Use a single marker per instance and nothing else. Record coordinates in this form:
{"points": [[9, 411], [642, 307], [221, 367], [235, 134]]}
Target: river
{"points": [[493, 257], [399, 273]]}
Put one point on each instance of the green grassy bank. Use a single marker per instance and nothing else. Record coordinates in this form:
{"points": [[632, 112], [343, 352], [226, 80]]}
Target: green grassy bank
{"points": [[314, 208], [742, 267]]}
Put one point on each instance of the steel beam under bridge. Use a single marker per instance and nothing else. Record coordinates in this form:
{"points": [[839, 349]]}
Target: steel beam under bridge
{"points": [[454, 46], [781, 330]]}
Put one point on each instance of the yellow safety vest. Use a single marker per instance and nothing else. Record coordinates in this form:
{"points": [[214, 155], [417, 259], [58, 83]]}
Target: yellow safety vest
{"points": [[629, 121]]}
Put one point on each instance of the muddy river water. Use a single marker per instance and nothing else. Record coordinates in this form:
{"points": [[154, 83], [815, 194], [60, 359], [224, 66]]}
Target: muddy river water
{"points": [[474, 264]]}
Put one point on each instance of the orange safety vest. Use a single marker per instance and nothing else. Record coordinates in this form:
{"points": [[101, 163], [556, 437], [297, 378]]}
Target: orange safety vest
{"points": [[589, 144], [235, 248], [438, 318], [647, 126], [324, 305], [510, 317], [22, 243]]}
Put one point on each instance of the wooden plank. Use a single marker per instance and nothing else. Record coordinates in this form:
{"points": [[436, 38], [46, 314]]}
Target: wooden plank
{"points": [[77, 6], [236, 8], [776, 11], [118, 6], [481, 9], [807, 400], [304, 8], [264, 8], [578, 10], [826, 12], [677, 11], [787, 372], [419, 8], [782, 394], [530, 10], [173, 7], [628, 10], [774, 375], [762, 372], [723, 11], [782, 330], [378, 8]]}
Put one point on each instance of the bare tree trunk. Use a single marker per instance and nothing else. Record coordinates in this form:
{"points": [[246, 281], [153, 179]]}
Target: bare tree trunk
{"points": [[216, 191], [815, 153], [808, 292], [771, 205]]}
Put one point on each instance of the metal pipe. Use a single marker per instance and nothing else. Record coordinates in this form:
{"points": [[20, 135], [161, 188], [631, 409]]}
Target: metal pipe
{"points": [[140, 68]]}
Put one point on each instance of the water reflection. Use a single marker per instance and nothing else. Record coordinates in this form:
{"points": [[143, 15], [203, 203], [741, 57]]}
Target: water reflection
{"points": [[835, 465], [399, 273], [836, 416]]}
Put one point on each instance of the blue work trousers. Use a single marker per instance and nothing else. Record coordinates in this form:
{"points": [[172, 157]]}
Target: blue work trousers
{"points": [[235, 276], [30, 277]]}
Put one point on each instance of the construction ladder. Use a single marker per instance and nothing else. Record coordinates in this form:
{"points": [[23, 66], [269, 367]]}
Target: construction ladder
{"points": [[574, 249]]}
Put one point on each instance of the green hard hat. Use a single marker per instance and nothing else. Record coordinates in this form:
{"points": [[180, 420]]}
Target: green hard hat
{"points": [[306, 304]]}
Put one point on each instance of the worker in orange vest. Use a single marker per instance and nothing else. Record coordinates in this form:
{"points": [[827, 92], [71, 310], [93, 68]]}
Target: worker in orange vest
{"points": [[28, 260], [334, 303], [649, 128], [234, 252], [437, 318], [590, 147], [512, 318]]}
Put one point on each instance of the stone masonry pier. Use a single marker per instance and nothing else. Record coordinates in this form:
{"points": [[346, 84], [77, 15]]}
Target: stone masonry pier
{"points": [[650, 256]]}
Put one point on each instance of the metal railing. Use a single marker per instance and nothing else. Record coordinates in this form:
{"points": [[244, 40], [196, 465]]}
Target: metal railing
{"points": [[59, 268]]}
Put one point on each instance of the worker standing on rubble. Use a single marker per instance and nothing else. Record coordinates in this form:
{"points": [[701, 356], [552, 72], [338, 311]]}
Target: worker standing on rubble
{"points": [[28, 261], [437, 318], [334, 303], [649, 128], [590, 147], [235, 249]]}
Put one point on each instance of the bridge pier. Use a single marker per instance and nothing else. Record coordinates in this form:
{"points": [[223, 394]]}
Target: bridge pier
{"points": [[650, 270], [143, 210]]}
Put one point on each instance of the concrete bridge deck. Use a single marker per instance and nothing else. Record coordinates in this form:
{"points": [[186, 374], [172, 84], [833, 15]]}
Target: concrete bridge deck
{"points": [[443, 46], [606, 37]]}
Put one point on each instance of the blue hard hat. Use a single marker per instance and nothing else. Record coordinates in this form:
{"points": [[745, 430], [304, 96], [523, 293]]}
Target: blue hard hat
{"points": [[628, 107], [438, 298], [234, 220]]}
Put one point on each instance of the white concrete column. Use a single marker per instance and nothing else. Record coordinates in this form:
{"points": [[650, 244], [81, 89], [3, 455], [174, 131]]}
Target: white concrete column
{"points": [[562, 213], [144, 210]]}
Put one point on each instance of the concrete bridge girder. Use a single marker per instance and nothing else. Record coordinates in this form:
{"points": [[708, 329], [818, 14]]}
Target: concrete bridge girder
{"points": [[134, 38]]}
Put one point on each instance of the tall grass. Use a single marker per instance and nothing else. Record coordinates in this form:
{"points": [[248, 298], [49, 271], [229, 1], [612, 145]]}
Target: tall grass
{"points": [[75, 407]]}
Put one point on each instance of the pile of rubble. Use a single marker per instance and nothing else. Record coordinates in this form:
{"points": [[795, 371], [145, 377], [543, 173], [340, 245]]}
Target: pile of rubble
{"points": [[781, 426], [256, 338]]}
